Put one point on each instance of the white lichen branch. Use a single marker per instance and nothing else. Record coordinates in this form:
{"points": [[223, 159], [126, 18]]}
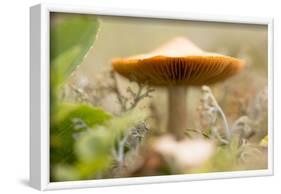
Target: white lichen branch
{"points": [[211, 107]]}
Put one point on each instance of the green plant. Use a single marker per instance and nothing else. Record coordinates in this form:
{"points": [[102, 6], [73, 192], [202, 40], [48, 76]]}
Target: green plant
{"points": [[85, 140], [71, 37], [63, 127], [70, 40], [95, 149]]}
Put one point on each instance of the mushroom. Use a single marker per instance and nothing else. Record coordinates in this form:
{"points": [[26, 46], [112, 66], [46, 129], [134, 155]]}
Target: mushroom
{"points": [[176, 65]]}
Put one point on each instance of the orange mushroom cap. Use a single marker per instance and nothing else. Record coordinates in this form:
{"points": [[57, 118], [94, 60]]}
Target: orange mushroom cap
{"points": [[179, 62]]}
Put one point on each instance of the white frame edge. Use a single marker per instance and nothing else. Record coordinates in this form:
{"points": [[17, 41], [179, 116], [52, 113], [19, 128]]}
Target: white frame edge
{"points": [[39, 96]]}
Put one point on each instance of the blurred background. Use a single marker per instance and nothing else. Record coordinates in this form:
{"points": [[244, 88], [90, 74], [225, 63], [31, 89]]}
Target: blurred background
{"points": [[127, 36], [128, 143]]}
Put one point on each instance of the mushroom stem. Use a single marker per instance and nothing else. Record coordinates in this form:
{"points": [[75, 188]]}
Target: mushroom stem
{"points": [[177, 121]]}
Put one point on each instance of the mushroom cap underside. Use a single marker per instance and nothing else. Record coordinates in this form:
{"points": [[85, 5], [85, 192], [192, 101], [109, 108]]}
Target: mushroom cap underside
{"points": [[183, 70]]}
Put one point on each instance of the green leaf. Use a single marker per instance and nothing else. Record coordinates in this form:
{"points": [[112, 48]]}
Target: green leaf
{"points": [[90, 115], [63, 128], [93, 144], [93, 150], [90, 154], [70, 40]]}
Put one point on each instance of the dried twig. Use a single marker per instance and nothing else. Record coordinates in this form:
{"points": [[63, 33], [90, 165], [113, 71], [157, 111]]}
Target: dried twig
{"points": [[131, 139], [134, 136], [129, 103]]}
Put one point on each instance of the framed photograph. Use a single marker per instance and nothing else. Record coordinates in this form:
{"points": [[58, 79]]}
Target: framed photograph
{"points": [[124, 97]]}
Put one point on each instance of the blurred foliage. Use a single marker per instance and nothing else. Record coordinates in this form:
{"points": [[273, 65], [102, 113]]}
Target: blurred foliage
{"points": [[63, 127], [70, 40], [83, 137], [93, 147], [224, 159]]}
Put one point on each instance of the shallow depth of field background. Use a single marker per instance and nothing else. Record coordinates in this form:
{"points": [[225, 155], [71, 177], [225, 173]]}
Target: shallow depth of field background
{"points": [[238, 96], [125, 36]]}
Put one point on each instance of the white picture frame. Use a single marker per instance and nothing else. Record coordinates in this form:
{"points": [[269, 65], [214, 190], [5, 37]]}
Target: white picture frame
{"points": [[39, 102]]}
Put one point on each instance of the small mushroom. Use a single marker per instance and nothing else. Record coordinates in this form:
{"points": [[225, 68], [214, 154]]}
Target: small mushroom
{"points": [[176, 65]]}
